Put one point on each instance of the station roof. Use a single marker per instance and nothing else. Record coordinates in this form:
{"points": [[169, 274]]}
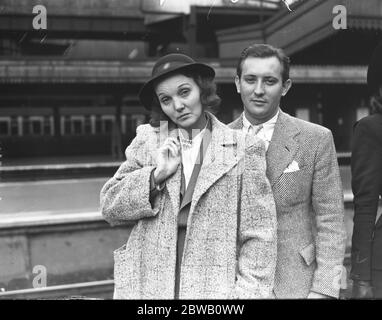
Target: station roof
{"points": [[308, 23]]}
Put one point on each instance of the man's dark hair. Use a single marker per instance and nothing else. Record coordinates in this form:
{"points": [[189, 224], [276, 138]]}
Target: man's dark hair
{"points": [[265, 51], [208, 97]]}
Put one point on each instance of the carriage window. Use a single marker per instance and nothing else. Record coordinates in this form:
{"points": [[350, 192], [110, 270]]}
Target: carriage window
{"points": [[36, 125], [98, 125], [108, 126], [77, 127], [72, 125], [88, 125], [107, 122], [26, 126], [5, 125], [65, 125], [77, 124], [14, 126], [48, 125]]}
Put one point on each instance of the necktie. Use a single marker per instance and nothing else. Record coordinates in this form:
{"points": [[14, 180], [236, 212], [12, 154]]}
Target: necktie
{"points": [[254, 130]]}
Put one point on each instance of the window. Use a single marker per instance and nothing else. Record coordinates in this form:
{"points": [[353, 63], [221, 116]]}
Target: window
{"points": [[107, 125], [107, 122], [36, 125], [26, 126], [48, 125], [72, 125], [5, 126], [98, 125], [14, 126], [87, 125], [77, 125]]}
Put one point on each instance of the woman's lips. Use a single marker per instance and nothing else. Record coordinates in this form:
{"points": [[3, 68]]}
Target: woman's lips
{"points": [[183, 116]]}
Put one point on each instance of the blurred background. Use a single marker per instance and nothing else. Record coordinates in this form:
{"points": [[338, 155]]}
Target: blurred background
{"points": [[69, 108]]}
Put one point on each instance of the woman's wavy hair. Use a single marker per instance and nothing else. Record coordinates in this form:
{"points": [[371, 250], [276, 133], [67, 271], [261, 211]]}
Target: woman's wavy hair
{"points": [[376, 101], [208, 97]]}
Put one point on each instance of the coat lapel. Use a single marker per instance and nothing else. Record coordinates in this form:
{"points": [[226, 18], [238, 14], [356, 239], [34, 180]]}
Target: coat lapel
{"points": [[220, 157], [187, 194], [237, 124], [282, 148]]}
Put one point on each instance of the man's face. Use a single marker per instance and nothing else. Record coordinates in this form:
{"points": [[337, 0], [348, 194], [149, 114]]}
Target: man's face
{"points": [[261, 88]]}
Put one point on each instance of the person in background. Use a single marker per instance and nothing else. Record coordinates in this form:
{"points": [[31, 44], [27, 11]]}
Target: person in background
{"points": [[303, 170], [205, 218], [366, 169]]}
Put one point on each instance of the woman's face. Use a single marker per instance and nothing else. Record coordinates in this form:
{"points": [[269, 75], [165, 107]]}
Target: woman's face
{"points": [[179, 98]]}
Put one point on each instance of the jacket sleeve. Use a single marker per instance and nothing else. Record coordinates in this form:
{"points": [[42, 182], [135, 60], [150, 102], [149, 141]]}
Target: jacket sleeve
{"points": [[328, 207], [126, 196], [257, 249], [366, 166]]}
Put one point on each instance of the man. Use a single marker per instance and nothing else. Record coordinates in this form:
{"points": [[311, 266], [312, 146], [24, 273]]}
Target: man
{"points": [[303, 170], [366, 167]]}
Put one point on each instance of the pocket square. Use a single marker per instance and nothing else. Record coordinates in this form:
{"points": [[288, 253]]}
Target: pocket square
{"points": [[293, 166]]}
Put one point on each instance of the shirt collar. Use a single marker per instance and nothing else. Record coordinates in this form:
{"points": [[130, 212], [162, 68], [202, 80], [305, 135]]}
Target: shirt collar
{"points": [[268, 126], [270, 122]]}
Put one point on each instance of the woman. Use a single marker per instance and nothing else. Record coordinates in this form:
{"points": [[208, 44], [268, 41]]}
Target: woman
{"points": [[204, 212], [366, 167]]}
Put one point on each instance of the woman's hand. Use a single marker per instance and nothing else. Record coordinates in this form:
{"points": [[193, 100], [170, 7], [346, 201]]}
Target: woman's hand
{"points": [[168, 160]]}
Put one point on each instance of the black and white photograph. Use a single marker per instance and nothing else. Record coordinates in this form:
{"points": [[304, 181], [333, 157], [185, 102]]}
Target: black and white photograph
{"points": [[209, 151]]}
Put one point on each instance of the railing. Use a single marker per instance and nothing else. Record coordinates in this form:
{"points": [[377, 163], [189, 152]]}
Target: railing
{"points": [[86, 290]]}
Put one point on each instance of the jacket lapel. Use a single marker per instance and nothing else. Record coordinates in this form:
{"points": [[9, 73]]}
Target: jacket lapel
{"points": [[282, 148]]}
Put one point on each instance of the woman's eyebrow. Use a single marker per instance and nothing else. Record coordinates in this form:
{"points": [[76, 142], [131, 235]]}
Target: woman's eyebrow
{"points": [[185, 83], [161, 94]]}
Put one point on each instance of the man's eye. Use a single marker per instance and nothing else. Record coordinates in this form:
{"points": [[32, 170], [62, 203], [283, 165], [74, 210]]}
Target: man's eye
{"points": [[250, 80], [270, 81]]}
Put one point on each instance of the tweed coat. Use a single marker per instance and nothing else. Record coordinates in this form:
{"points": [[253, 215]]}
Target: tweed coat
{"points": [[309, 204], [145, 267]]}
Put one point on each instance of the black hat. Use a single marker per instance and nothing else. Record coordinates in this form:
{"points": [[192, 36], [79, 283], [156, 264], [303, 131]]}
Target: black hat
{"points": [[167, 64], [374, 72]]}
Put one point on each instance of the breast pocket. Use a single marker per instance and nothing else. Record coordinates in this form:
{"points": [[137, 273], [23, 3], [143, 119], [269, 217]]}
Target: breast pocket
{"points": [[295, 187]]}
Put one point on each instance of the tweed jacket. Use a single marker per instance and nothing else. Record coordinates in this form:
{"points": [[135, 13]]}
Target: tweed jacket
{"points": [[303, 170], [145, 267], [366, 166]]}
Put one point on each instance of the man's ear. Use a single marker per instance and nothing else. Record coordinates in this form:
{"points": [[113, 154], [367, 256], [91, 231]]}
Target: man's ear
{"points": [[286, 86], [237, 82]]}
